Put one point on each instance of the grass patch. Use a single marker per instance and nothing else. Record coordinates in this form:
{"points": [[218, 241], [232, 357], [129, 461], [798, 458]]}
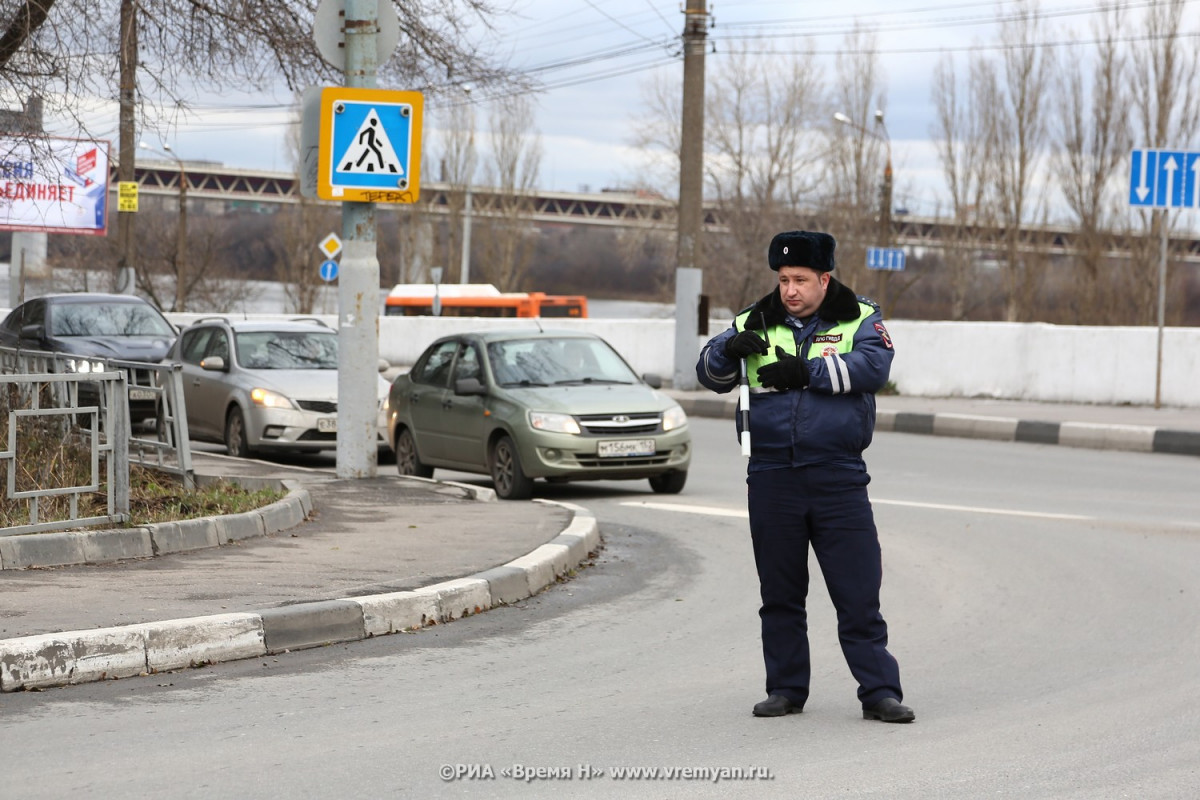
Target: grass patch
{"points": [[156, 497], [52, 453]]}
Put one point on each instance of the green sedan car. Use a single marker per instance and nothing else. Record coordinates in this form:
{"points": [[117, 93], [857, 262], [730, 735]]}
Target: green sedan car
{"points": [[521, 405]]}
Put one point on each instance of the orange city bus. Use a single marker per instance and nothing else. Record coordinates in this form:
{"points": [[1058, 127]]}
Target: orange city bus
{"points": [[479, 300]]}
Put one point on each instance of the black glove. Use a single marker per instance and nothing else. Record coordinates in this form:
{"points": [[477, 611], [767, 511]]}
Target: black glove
{"points": [[789, 372], [744, 344]]}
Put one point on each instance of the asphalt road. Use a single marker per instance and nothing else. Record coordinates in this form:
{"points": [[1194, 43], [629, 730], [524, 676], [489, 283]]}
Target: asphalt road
{"points": [[1042, 603]]}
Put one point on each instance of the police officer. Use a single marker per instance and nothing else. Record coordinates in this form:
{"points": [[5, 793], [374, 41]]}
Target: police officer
{"points": [[815, 355]]}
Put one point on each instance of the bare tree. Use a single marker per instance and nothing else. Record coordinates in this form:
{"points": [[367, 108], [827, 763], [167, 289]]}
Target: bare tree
{"points": [[1166, 96], [657, 135], [963, 152], [763, 142], [457, 164], [169, 51], [1018, 120], [65, 51], [196, 284], [858, 156], [291, 246], [1092, 133], [512, 171]]}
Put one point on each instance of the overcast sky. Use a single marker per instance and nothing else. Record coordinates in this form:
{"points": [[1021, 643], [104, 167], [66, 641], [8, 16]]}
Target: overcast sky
{"points": [[592, 58]]}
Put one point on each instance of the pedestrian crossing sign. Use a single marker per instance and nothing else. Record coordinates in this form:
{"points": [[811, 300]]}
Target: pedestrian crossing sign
{"points": [[370, 145]]}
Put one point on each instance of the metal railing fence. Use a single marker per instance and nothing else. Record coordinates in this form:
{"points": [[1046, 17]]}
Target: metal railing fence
{"points": [[55, 405], [45, 426]]}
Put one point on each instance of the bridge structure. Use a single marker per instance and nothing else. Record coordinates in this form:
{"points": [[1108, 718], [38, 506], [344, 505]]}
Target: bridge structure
{"points": [[230, 187]]}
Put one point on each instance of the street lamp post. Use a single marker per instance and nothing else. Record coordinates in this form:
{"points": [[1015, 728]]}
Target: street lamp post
{"points": [[182, 227], [885, 190], [464, 274]]}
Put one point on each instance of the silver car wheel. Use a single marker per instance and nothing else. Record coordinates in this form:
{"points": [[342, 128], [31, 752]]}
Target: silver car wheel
{"points": [[510, 480], [408, 463], [235, 434]]}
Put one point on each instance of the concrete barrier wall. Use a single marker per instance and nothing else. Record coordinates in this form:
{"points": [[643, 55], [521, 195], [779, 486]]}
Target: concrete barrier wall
{"points": [[1052, 363]]}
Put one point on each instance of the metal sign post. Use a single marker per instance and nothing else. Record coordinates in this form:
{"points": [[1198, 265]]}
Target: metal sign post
{"points": [[1161, 179], [358, 281]]}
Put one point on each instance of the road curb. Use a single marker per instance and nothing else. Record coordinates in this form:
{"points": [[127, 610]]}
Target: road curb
{"points": [[73, 657], [71, 548], [1096, 436]]}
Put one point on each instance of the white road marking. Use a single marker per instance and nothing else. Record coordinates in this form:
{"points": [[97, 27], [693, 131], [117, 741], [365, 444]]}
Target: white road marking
{"points": [[712, 511], [715, 511], [980, 510]]}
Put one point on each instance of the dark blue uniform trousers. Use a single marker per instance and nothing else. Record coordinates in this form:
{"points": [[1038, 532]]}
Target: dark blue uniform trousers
{"points": [[827, 507]]}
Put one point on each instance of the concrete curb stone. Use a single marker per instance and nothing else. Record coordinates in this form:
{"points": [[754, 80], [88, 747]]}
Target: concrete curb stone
{"points": [[1136, 438], [59, 659], [68, 548]]}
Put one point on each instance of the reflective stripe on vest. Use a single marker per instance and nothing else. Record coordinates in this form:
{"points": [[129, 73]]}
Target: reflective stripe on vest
{"points": [[830, 345]]}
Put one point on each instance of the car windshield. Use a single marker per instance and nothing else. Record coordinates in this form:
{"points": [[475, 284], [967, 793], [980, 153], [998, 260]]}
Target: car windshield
{"points": [[107, 319], [287, 350], [550, 362]]}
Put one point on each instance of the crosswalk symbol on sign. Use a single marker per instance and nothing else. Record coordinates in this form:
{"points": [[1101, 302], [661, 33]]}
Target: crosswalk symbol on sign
{"points": [[371, 151], [370, 145]]}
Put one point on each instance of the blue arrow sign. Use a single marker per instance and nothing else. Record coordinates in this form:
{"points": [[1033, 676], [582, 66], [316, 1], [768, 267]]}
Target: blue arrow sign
{"points": [[885, 258], [329, 270], [1164, 179]]}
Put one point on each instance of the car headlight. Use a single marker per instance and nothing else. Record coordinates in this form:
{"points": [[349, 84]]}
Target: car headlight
{"points": [[82, 365], [268, 399], [553, 423], [674, 418]]}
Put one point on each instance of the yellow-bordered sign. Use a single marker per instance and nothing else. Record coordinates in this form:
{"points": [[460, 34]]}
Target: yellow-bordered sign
{"points": [[370, 145]]}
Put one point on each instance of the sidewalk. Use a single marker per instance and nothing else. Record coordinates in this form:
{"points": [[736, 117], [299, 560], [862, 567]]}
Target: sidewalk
{"points": [[340, 560], [373, 557]]}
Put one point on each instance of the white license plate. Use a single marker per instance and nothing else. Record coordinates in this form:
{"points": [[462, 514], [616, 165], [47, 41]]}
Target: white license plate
{"points": [[327, 424], [625, 448], [141, 394]]}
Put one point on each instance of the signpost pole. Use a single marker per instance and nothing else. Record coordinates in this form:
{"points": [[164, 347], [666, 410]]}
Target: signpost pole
{"points": [[358, 281], [1162, 306]]}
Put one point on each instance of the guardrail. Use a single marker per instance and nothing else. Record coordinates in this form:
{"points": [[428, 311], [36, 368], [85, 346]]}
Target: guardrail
{"points": [[65, 403]]}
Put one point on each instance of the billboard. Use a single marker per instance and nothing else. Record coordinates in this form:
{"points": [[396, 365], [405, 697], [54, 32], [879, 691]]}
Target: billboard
{"points": [[53, 185]]}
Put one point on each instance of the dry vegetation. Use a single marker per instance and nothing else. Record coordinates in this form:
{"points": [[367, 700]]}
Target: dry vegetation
{"points": [[52, 453]]}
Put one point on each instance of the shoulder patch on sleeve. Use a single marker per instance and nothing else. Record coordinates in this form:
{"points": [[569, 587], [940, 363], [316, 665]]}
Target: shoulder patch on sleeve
{"points": [[884, 335]]}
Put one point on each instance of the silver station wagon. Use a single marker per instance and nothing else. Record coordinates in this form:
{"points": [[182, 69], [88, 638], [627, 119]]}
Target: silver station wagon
{"points": [[262, 386], [520, 405]]}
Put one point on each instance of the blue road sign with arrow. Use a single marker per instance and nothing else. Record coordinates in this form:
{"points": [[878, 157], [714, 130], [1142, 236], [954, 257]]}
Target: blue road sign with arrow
{"points": [[1164, 179], [885, 258], [329, 270]]}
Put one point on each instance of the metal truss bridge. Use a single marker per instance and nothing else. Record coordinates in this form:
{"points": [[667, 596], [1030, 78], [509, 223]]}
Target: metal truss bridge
{"points": [[233, 187]]}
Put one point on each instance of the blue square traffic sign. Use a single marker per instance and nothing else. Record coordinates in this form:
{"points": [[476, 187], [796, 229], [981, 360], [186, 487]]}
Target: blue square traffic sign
{"points": [[370, 145], [1164, 179], [890, 259]]}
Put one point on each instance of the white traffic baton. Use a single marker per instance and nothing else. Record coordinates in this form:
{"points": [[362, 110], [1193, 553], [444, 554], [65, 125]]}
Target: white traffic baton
{"points": [[744, 402]]}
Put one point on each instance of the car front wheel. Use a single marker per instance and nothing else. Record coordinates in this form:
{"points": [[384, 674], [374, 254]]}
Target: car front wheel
{"points": [[236, 442], [669, 482], [510, 480], [407, 461]]}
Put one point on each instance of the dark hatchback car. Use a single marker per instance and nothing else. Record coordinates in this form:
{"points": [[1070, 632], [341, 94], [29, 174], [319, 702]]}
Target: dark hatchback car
{"points": [[94, 326]]}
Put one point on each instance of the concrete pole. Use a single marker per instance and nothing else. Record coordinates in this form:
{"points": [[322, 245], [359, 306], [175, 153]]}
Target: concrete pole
{"points": [[688, 277], [464, 274], [358, 282]]}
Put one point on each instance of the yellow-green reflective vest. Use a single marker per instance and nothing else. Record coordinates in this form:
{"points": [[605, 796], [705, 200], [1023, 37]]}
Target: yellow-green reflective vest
{"points": [[839, 339]]}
